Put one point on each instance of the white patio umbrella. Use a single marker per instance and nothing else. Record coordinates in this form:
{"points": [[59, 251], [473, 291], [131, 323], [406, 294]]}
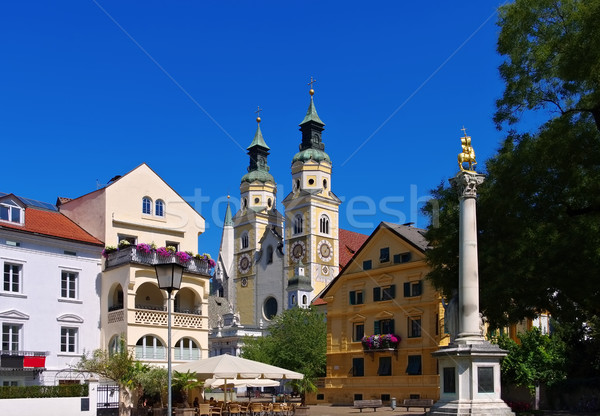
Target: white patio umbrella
{"points": [[229, 367], [240, 382]]}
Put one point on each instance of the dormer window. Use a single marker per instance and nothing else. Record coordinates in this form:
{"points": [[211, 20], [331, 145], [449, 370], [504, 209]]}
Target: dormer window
{"points": [[159, 208], [11, 212], [146, 206]]}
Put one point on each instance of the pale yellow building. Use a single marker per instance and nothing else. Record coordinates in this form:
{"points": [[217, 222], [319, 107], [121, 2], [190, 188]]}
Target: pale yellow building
{"points": [[140, 207], [383, 290]]}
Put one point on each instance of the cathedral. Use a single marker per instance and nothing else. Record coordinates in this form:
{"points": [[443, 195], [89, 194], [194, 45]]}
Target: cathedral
{"points": [[271, 261]]}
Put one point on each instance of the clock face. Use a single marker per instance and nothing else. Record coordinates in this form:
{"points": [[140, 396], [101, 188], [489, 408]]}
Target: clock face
{"points": [[244, 264], [297, 251], [325, 250]]}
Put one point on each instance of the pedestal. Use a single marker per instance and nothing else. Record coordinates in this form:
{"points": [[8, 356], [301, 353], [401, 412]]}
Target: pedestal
{"points": [[470, 380]]}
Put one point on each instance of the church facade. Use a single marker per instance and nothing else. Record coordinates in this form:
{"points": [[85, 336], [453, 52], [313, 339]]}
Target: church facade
{"points": [[271, 261]]}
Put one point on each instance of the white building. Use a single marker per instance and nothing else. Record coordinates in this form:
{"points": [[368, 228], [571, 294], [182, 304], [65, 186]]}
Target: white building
{"points": [[49, 298]]}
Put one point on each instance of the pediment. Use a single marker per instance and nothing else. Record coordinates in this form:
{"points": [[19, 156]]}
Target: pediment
{"points": [[70, 318], [357, 318], [384, 315], [415, 311], [14, 314]]}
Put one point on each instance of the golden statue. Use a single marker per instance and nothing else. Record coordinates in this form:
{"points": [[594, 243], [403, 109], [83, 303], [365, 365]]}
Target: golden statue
{"points": [[468, 154]]}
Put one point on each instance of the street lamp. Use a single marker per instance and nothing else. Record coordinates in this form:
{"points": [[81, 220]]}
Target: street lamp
{"points": [[169, 278]]}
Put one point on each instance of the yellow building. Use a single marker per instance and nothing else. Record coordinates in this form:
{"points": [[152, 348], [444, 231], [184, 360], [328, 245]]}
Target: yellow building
{"points": [[383, 291], [139, 207]]}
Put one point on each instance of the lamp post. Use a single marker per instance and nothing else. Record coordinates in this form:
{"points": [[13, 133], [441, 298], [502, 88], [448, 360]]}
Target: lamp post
{"points": [[169, 278]]}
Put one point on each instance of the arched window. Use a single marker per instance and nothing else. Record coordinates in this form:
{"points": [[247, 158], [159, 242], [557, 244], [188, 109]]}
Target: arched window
{"points": [[146, 205], [149, 347], [298, 220], [324, 224], [159, 208], [187, 349], [114, 346], [270, 308], [304, 300], [245, 240], [269, 254], [293, 300]]}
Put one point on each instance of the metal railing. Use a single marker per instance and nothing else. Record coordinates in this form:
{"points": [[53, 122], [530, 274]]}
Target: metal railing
{"points": [[133, 255]]}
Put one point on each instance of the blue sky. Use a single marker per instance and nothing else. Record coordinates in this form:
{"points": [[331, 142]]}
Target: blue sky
{"points": [[91, 89]]}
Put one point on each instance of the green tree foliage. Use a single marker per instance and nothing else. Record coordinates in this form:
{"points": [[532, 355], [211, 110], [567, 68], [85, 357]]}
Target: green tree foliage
{"points": [[552, 51], [153, 383], [297, 341], [119, 366], [537, 359], [183, 383]]}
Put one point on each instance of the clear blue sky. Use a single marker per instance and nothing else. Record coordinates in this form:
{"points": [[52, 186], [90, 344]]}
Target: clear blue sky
{"points": [[91, 89]]}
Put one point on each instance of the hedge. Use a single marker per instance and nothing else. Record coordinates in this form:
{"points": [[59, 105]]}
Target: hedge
{"points": [[26, 392]]}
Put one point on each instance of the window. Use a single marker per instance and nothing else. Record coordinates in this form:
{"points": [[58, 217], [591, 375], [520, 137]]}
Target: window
{"points": [[298, 220], [384, 293], [13, 243], [384, 255], [146, 205], [414, 365], [304, 300], [324, 224], [269, 254], [150, 348], [245, 240], [68, 285], [68, 340], [356, 297], [385, 366], [413, 289], [114, 346], [358, 331], [159, 208], [367, 265], [172, 244], [414, 327], [383, 326], [130, 239], [358, 367], [11, 337], [12, 278], [401, 258], [11, 212], [270, 308], [186, 349]]}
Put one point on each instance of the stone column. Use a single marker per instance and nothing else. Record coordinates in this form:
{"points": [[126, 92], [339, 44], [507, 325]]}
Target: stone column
{"points": [[468, 312]]}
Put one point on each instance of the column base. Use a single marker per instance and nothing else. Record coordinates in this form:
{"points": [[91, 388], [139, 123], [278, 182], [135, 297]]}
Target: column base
{"points": [[471, 407]]}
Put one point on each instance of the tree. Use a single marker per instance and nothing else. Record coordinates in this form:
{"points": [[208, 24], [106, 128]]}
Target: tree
{"points": [[184, 382], [154, 383], [537, 359], [539, 209], [119, 366], [297, 341], [552, 51]]}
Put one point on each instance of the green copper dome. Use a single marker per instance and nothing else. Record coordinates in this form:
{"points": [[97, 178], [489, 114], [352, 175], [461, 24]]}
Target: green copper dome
{"points": [[308, 154], [258, 175]]}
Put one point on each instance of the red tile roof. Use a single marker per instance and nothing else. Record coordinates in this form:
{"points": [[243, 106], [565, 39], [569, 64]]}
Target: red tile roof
{"points": [[52, 224], [350, 242]]}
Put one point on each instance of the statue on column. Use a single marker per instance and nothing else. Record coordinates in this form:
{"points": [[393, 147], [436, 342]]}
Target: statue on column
{"points": [[468, 153]]}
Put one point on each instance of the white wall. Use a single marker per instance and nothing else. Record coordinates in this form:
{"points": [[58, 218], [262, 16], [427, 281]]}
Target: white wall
{"points": [[63, 406], [41, 310]]}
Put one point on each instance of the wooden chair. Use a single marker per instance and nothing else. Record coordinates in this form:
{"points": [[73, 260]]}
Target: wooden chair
{"points": [[245, 408], [216, 410], [256, 409], [203, 409], [277, 410], [234, 409]]}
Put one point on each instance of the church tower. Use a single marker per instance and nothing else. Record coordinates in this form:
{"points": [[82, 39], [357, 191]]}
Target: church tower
{"points": [[225, 266], [258, 245], [311, 209]]}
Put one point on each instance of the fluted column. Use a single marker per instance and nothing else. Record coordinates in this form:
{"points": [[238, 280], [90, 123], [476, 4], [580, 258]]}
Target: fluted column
{"points": [[469, 320]]}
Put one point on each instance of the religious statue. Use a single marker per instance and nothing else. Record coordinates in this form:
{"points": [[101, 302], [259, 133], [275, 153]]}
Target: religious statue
{"points": [[468, 154], [451, 315], [236, 319], [220, 321]]}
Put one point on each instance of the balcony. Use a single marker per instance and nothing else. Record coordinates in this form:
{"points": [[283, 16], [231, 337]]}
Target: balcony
{"points": [[24, 360], [181, 318], [133, 255]]}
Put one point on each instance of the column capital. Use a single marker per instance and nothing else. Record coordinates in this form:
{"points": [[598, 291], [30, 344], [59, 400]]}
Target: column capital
{"points": [[466, 183]]}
